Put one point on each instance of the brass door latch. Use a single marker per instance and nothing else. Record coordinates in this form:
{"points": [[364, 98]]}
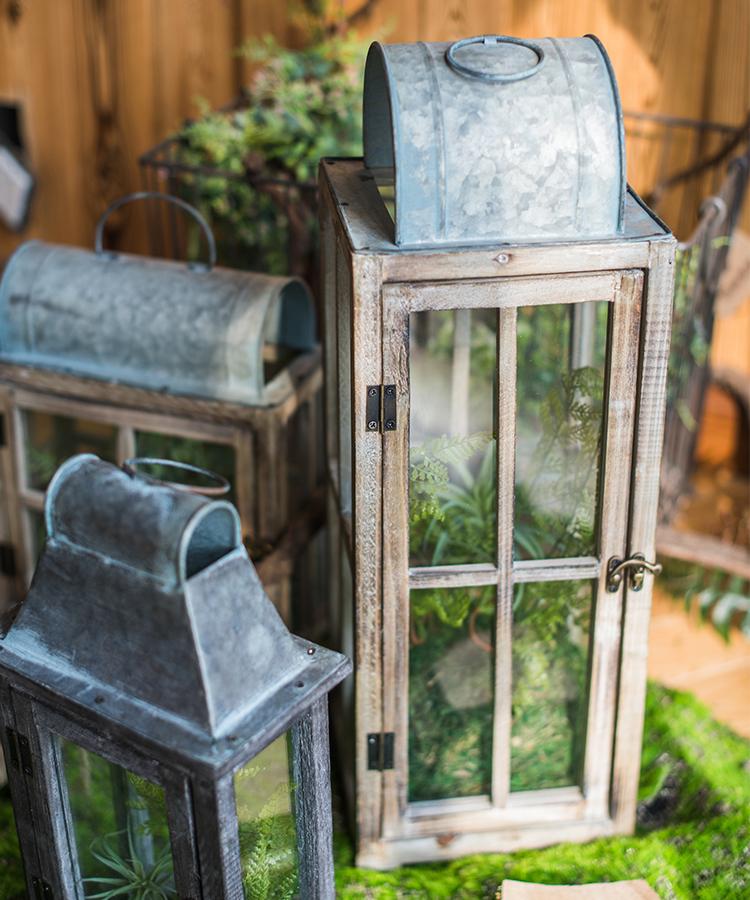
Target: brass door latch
{"points": [[638, 566]]}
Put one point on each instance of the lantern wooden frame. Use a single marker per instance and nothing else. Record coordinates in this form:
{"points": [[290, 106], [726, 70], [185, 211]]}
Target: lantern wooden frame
{"points": [[260, 436], [370, 286]]}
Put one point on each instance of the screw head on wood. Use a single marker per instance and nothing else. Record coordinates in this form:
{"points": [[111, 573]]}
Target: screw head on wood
{"points": [[372, 425], [390, 390], [390, 424], [372, 392]]}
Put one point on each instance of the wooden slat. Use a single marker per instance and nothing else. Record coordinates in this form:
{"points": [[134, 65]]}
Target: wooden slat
{"points": [[311, 769], [523, 808], [330, 322], [344, 422], [505, 488], [452, 844], [218, 838], [703, 550], [613, 516], [505, 292], [576, 569], [396, 598], [473, 575], [645, 496], [367, 533]]}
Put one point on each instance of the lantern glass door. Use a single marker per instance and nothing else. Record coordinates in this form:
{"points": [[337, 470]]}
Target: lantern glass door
{"points": [[264, 796], [119, 823], [517, 429]]}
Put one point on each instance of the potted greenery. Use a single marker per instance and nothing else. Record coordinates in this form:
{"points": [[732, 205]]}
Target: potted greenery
{"points": [[251, 168]]}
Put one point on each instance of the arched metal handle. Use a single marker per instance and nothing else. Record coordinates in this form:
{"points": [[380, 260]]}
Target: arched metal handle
{"points": [[157, 195], [218, 487], [637, 564], [489, 40]]}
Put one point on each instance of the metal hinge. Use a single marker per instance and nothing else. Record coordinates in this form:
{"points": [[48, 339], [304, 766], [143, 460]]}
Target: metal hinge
{"points": [[380, 408], [8, 560], [380, 751], [42, 891], [20, 752]]}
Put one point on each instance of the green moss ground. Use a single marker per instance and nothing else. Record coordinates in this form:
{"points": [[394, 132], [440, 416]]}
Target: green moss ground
{"points": [[693, 839]]}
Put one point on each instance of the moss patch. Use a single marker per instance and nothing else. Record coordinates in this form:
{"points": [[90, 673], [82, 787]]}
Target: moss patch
{"points": [[693, 839]]}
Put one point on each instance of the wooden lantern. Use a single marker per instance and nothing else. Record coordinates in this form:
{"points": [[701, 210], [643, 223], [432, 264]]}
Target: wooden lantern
{"points": [[123, 355], [166, 736], [494, 425]]}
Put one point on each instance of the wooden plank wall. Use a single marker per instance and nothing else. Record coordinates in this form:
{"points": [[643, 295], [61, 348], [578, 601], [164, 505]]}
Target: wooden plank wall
{"points": [[100, 81]]}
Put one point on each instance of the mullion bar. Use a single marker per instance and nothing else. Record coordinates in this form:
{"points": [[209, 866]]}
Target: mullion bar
{"points": [[524, 571], [505, 462], [574, 569]]}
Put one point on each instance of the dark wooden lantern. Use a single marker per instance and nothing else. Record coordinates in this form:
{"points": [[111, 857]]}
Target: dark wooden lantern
{"points": [[159, 721]]}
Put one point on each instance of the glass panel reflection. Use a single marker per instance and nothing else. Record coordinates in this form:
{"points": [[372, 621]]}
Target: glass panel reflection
{"points": [[51, 439], [217, 458], [560, 391], [551, 628], [268, 840], [452, 450], [451, 691], [120, 826]]}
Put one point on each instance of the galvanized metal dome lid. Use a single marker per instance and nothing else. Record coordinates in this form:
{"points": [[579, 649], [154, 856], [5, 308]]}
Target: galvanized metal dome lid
{"points": [[495, 139], [148, 322]]}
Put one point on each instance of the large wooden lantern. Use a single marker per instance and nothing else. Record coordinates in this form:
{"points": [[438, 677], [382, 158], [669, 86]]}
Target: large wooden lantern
{"points": [[166, 736], [497, 313], [123, 355]]}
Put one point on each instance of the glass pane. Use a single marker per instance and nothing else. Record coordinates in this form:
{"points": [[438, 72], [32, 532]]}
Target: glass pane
{"points": [[451, 690], [551, 627], [561, 366], [452, 504], [268, 839], [120, 825], [51, 439], [217, 458]]}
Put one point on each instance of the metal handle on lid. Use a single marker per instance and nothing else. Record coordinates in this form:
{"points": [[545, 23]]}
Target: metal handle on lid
{"points": [[156, 195], [218, 486], [496, 78]]}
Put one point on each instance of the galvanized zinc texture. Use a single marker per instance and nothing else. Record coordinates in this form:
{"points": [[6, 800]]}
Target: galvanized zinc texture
{"points": [[496, 140]]}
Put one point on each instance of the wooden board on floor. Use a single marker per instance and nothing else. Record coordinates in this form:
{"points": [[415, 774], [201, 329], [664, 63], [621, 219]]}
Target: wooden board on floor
{"points": [[615, 890]]}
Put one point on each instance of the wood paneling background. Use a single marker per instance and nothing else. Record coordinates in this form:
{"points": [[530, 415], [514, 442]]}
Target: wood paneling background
{"points": [[100, 81]]}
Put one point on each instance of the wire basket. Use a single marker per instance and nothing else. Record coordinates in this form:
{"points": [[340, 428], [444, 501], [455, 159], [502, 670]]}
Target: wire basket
{"points": [[261, 221], [676, 163]]}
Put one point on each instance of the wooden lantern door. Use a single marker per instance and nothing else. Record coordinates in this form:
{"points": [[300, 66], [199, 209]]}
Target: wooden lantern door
{"points": [[507, 479]]}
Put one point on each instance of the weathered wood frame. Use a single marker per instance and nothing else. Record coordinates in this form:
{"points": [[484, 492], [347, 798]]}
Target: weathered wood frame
{"points": [[200, 800], [259, 435], [380, 285]]}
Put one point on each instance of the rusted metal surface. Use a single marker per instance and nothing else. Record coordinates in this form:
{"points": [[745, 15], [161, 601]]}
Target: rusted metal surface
{"points": [[496, 140]]}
